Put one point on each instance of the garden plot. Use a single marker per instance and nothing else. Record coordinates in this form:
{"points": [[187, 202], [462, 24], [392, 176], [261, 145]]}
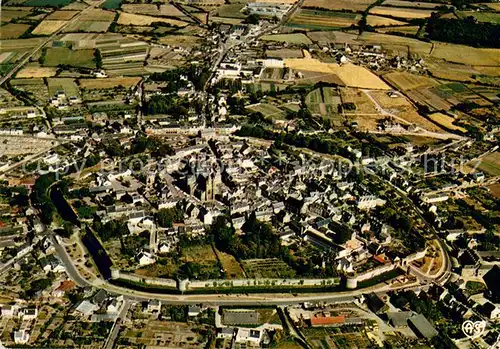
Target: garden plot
{"points": [[267, 268]]}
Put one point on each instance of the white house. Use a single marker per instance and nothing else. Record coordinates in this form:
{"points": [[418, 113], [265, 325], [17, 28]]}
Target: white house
{"points": [[113, 306], [21, 337], [154, 306], [145, 258], [28, 314], [9, 311], [248, 335], [194, 310]]}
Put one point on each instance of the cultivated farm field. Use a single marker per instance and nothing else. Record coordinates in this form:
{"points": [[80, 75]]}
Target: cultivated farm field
{"points": [[47, 27], [446, 121], [466, 54], [408, 13], [146, 9], [284, 53], [97, 14], [406, 81], [9, 14], [354, 5], [351, 74], [106, 83], [61, 55], [408, 4], [170, 10], [491, 164], [13, 30], [315, 19], [407, 29], [325, 101], [41, 3], [134, 19], [88, 26], [288, 38], [36, 72], [60, 15], [376, 21], [364, 104], [231, 11]]}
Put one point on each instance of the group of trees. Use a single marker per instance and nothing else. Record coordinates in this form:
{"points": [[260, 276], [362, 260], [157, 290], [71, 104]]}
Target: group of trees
{"points": [[260, 241], [18, 196], [140, 144], [465, 31], [326, 145], [98, 58], [111, 229], [167, 216], [41, 199]]}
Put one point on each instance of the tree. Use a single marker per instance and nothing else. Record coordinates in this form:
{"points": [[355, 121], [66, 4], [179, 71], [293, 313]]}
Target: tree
{"points": [[252, 19], [167, 216], [98, 58]]}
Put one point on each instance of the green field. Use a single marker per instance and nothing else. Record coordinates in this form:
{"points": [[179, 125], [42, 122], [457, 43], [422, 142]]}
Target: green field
{"points": [[65, 84], [268, 110], [491, 164], [266, 87], [47, 3], [325, 101], [490, 17], [288, 38], [231, 11], [64, 56], [112, 4]]}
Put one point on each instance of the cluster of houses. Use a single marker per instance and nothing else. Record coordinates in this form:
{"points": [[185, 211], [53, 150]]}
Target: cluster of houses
{"points": [[305, 199]]}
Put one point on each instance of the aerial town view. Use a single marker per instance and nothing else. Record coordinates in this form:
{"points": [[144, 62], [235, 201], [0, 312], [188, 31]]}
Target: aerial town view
{"points": [[237, 174]]}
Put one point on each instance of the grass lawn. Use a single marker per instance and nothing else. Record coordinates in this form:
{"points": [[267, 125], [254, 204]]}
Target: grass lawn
{"points": [[490, 17], [474, 287], [268, 110], [64, 56], [67, 85]]}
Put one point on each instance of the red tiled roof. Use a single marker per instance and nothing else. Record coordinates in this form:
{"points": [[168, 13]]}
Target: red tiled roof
{"points": [[66, 286], [327, 320]]}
